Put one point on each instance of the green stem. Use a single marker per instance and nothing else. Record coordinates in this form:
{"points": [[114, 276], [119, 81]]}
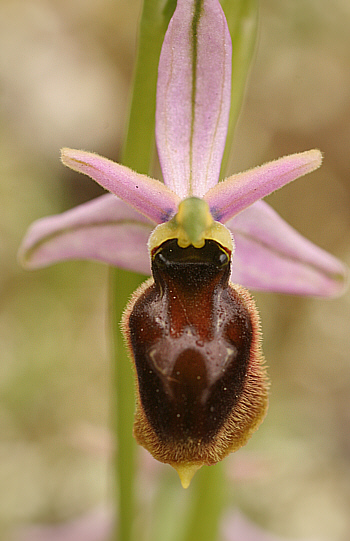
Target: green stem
{"points": [[138, 154], [138, 149], [207, 504], [123, 411]]}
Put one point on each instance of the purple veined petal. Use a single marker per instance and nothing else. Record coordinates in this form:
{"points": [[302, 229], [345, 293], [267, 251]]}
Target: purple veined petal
{"points": [[105, 229], [145, 194], [193, 97], [240, 191], [272, 256]]}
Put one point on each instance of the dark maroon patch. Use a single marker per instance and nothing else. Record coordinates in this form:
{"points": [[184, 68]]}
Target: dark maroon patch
{"points": [[191, 336]]}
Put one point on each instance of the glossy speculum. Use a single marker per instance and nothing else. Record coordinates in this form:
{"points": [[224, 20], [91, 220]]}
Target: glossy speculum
{"points": [[191, 336]]}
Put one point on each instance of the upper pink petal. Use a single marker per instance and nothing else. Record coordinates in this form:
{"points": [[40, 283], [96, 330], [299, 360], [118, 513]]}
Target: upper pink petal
{"points": [[270, 255], [104, 229], [145, 194], [240, 191], [193, 97]]}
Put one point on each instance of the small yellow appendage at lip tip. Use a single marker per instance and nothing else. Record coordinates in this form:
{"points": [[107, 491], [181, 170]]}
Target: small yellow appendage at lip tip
{"points": [[186, 472]]}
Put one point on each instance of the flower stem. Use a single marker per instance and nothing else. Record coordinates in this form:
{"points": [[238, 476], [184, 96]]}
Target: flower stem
{"points": [[124, 404], [138, 154], [138, 148], [207, 504]]}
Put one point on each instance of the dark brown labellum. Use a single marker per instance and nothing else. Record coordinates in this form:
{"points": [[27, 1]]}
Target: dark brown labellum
{"points": [[193, 338]]}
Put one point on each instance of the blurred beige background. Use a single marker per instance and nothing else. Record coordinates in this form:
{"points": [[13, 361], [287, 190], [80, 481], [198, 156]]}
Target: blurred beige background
{"points": [[65, 70]]}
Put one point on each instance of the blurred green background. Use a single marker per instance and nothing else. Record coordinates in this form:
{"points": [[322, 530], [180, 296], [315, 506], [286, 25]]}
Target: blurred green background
{"points": [[65, 72]]}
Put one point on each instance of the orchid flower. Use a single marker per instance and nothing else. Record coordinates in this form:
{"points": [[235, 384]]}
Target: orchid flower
{"points": [[192, 220]]}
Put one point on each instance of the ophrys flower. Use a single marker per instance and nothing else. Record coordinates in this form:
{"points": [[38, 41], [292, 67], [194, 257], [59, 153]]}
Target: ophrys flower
{"points": [[193, 336]]}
